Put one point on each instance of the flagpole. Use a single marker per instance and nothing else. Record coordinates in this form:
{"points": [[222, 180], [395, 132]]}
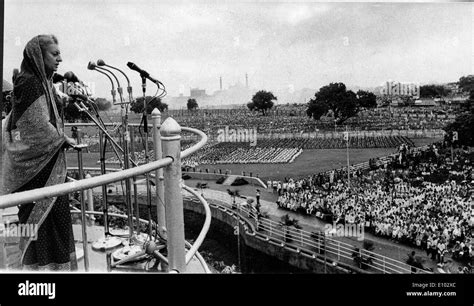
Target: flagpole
{"points": [[348, 166]]}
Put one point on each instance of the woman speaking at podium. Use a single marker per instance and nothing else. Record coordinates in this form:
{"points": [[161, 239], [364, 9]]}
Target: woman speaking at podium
{"points": [[34, 157]]}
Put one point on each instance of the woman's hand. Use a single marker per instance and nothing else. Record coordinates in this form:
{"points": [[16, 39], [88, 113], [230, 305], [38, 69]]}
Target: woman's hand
{"points": [[71, 142]]}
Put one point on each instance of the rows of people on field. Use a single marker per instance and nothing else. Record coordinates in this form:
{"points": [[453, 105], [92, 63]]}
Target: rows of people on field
{"points": [[423, 198]]}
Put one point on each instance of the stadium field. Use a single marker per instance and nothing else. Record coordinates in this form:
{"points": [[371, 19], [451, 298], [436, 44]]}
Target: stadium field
{"points": [[309, 162]]}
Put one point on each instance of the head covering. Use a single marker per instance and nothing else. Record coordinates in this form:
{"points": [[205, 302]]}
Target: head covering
{"points": [[33, 131], [33, 76]]}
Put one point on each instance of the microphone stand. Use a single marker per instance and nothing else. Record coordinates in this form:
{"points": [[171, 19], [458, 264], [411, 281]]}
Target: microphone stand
{"points": [[126, 140], [130, 99], [147, 176]]}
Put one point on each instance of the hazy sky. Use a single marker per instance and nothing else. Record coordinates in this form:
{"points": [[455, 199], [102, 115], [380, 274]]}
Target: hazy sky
{"points": [[190, 44]]}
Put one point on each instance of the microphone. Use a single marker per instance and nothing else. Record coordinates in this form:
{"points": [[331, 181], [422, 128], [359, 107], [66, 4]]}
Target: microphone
{"points": [[57, 78], [91, 65], [72, 77], [78, 87], [101, 63], [142, 72]]}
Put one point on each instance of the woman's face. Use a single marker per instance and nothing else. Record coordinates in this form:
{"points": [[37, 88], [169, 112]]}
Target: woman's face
{"points": [[52, 58]]}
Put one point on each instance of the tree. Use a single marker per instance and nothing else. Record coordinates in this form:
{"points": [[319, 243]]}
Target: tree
{"points": [[466, 83], [366, 99], [192, 104], [468, 105], [463, 125], [263, 101], [251, 106], [72, 113], [335, 98], [433, 91], [103, 104], [151, 104]]}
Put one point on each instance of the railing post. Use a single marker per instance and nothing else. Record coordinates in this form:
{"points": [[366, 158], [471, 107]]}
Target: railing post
{"points": [[90, 199], [174, 214], [338, 250], [79, 148], [319, 244], [104, 187], [135, 187], [159, 180]]}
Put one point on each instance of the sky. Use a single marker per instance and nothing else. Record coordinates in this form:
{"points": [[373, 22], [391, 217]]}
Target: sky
{"points": [[293, 45]]}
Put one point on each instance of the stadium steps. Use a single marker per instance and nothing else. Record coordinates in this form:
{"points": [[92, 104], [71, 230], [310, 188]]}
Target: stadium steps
{"points": [[229, 180]]}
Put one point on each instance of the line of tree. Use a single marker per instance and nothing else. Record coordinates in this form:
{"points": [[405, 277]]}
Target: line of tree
{"points": [[434, 91], [334, 99], [72, 113], [151, 103], [463, 124], [466, 83]]}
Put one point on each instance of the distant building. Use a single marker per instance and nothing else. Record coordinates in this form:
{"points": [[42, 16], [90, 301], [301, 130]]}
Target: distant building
{"points": [[197, 93]]}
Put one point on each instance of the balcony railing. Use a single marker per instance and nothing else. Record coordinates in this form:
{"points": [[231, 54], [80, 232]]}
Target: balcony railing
{"points": [[168, 186]]}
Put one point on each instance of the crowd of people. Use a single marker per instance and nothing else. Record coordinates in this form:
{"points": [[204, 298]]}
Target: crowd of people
{"points": [[402, 201], [296, 120], [266, 150]]}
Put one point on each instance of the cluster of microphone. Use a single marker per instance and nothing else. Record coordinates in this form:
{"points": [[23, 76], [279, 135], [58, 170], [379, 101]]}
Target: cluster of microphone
{"points": [[73, 87]]}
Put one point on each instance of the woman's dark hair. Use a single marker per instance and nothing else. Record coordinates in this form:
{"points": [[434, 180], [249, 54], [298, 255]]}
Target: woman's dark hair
{"points": [[45, 40]]}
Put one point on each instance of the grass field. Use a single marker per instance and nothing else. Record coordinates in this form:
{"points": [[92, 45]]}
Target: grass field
{"points": [[309, 162]]}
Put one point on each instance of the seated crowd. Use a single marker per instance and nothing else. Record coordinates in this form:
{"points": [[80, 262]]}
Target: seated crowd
{"points": [[421, 198]]}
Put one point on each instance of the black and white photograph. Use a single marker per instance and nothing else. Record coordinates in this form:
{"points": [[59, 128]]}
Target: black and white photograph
{"points": [[286, 138]]}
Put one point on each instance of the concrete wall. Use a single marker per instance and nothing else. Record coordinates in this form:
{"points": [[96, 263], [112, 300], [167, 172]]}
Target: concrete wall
{"points": [[226, 223], [300, 261]]}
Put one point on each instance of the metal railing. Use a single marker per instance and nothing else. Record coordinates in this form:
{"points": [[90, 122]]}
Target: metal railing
{"points": [[315, 244], [170, 133]]}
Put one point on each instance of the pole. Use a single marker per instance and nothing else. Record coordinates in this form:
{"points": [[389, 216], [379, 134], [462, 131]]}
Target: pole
{"points": [[325, 259], [79, 148], [159, 180], [90, 199], [147, 175], [104, 187], [135, 187], [128, 187], [174, 213], [238, 238]]}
